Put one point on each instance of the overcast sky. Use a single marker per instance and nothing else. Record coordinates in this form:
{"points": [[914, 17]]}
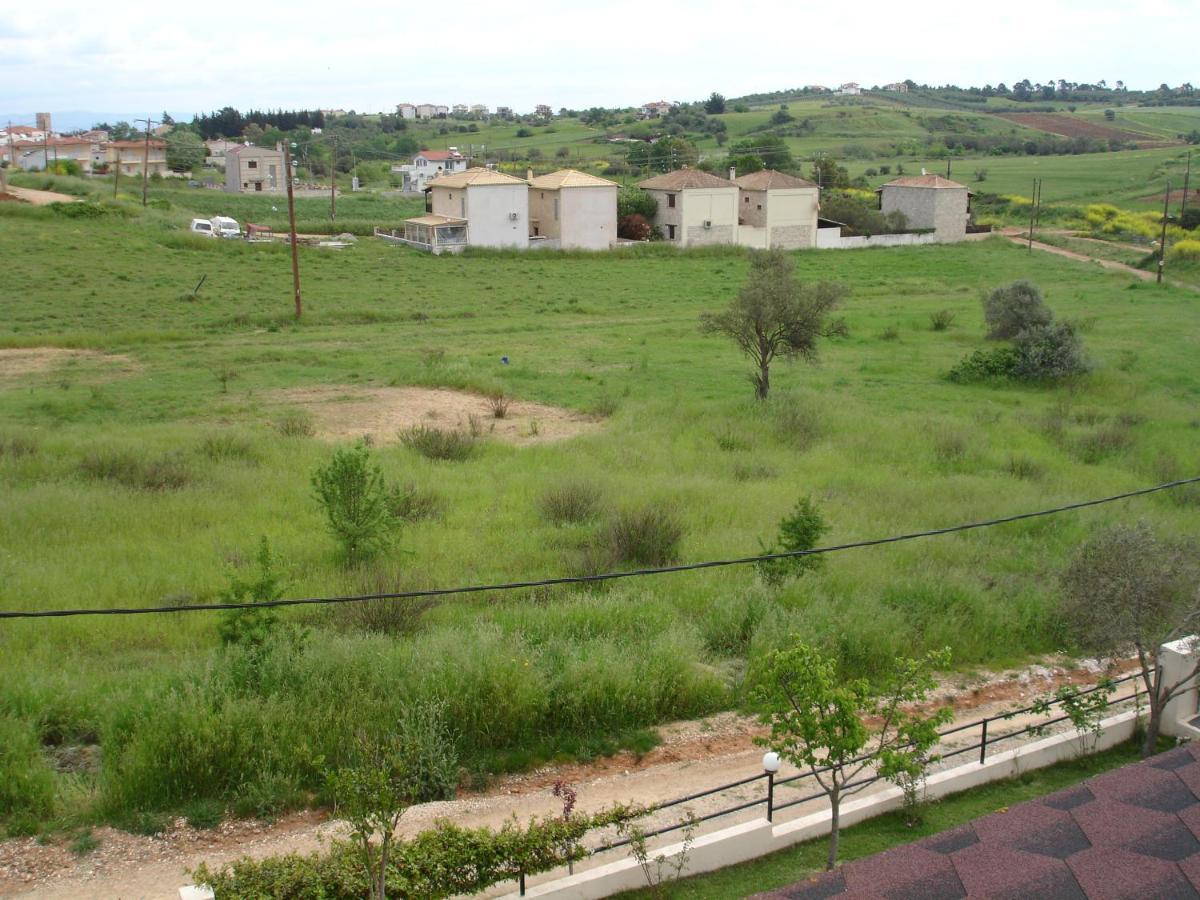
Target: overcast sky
{"points": [[369, 55]]}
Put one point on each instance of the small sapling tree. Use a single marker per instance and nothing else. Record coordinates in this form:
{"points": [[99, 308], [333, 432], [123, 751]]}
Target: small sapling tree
{"points": [[250, 627], [817, 721], [1127, 589], [798, 530], [356, 501], [774, 314], [372, 795]]}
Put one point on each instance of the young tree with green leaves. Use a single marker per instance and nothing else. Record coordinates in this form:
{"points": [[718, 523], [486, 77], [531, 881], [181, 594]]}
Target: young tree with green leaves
{"points": [[818, 722], [251, 627], [1128, 590], [798, 530], [356, 500], [775, 314]]}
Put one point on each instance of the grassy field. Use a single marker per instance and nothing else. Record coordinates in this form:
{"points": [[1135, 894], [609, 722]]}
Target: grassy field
{"points": [[147, 471]]}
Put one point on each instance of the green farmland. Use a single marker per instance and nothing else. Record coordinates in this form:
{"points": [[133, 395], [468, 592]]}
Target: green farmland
{"points": [[151, 436]]}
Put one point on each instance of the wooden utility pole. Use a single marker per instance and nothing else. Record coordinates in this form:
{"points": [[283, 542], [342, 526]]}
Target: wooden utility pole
{"points": [[1033, 199], [1187, 176], [1162, 240], [287, 165], [46, 150], [146, 158], [117, 173], [333, 182]]}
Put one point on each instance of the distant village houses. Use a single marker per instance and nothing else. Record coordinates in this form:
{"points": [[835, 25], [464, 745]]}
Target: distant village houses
{"points": [[899, 87], [657, 109], [850, 89], [253, 170]]}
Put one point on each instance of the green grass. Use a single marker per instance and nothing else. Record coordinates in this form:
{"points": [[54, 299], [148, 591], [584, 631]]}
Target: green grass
{"points": [[149, 478], [797, 863]]}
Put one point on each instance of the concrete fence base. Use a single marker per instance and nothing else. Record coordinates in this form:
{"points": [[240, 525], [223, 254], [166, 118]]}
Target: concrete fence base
{"points": [[750, 840]]}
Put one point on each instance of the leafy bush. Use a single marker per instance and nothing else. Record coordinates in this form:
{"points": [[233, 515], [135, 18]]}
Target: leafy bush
{"points": [[1188, 250], [571, 502], [437, 443], [90, 209], [1013, 308], [251, 627], [356, 502], [649, 536], [941, 320], [634, 227], [633, 201], [1047, 352], [985, 365]]}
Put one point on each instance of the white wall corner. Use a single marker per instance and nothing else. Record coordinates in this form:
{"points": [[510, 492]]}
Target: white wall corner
{"points": [[1178, 659]]}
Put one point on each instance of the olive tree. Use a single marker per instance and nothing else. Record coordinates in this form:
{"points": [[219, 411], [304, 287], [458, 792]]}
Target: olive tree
{"points": [[819, 719], [775, 314], [1128, 590]]}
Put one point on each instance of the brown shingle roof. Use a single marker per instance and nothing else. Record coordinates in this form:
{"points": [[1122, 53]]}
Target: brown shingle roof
{"points": [[477, 175], [926, 181], [683, 179], [769, 179], [568, 178]]}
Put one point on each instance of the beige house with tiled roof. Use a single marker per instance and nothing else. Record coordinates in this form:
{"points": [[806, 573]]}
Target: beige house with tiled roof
{"points": [[777, 210], [495, 205], [694, 207], [574, 209], [929, 202]]}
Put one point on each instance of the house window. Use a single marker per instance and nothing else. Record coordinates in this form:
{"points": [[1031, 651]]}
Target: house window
{"points": [[670, 232], [760, 206], [252, 164], [671, 201]]}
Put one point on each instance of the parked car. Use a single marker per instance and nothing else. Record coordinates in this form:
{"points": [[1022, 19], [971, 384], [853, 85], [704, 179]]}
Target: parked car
{"points": [[225, 227], [203, 227]]}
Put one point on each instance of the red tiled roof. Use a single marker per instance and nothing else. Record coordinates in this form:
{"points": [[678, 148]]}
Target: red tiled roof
{"points": [[154, 145], [439, 155], [1131, 832]]}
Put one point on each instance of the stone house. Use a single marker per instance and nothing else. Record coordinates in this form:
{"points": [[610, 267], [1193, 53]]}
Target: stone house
{"points": [[776, 210], [576, 210], [694, 207], [929, 202], [251, 169], [494, 205]]}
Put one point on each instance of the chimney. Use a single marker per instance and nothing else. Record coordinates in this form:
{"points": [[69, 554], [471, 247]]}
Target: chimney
{"points": [[732, 172], [529, 173]]}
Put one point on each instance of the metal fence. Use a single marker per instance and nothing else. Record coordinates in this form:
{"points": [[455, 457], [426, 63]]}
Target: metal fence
{"points": [[987, 738]]}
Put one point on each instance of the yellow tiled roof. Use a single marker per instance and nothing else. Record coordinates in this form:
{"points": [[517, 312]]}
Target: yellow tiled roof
{"points": [[568, 178], [477, 175]]}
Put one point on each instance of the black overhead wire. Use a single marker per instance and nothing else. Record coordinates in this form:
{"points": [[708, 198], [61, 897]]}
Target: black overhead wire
{"points": [[590, 579]]}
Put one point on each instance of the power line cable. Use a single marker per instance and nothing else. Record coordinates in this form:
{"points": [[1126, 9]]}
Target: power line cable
{"points": [[591, 579]]}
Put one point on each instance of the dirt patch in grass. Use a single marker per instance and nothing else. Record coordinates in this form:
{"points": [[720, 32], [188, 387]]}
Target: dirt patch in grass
{"points": [[19, 362], [342, 413], [1072, 127]]}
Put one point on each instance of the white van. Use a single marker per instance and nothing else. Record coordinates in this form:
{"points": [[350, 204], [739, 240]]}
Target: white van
{"points": [[202, 227], [225, 227]]}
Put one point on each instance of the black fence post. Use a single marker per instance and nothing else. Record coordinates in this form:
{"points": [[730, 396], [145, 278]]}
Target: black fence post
{"points": [[522, 884], [770, 796], [983, 744]]}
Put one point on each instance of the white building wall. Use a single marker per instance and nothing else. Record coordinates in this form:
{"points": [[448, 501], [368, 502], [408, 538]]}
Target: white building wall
{"points": [[792, 218], [708, 216], [497, 214], [587, 217]]}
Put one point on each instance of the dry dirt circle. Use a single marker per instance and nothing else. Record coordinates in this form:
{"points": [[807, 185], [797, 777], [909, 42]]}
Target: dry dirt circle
{"points": [[348, 413]]}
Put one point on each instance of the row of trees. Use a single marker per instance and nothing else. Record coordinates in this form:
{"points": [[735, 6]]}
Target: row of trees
{"points": [[231, 123]]}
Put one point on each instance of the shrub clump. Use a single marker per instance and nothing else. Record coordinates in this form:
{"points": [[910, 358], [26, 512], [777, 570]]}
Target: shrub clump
{"points": [[439, 444], [295, 423], [570, 503], [649, 536], [164, 473], [1013, 308], [941, 320], [1040, 353]]}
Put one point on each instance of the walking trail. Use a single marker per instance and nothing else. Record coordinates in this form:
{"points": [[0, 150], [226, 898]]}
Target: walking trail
{"points": [[692, 756]]}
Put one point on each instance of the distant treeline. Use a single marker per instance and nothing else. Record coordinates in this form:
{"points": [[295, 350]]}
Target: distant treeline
{"points": [[230, 123]]}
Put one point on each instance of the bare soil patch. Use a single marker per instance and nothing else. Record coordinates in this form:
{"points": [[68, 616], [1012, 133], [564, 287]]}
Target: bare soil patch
{"points": [[1069, 126], [380, 414], [40, 198], [19, 362]]}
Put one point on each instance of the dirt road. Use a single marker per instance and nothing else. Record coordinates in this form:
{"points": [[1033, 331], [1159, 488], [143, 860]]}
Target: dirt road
{"points": [[1015, 235], [39, 198], [693, 756]]}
